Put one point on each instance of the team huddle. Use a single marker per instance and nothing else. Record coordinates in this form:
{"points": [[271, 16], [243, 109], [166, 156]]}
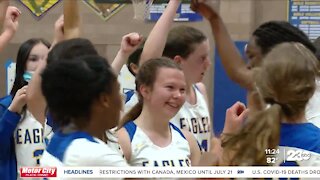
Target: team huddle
{"points": [[66, 108]]}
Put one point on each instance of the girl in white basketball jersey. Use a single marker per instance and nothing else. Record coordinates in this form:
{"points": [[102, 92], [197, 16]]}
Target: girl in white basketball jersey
{"points": [[83, 98], [22, 136], [188, 47], [146, 135], [284, 84]]}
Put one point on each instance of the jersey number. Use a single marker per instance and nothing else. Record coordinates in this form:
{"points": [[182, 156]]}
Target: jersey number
{"points": [[204, 145], [37, 155]]}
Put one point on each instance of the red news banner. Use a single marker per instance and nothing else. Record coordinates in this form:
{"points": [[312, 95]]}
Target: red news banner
{"points": [[28, 172]]}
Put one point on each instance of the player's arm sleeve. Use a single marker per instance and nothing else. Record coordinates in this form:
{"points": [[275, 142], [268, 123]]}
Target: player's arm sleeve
{"points": [[8, 124]]}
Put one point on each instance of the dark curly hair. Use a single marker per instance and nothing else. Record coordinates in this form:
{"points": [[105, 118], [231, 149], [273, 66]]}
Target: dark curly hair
{"points": [[273, 33], [70, 86]]}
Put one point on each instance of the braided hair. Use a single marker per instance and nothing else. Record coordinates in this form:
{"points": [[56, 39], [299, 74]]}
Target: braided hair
{"points": [[273, 33]]}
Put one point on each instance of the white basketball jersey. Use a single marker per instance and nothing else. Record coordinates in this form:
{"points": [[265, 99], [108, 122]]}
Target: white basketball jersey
{"points": [[299, 145], [80, 149], [196, 119], [313, 106], [29, 141], [145, 153], [113, 141]]}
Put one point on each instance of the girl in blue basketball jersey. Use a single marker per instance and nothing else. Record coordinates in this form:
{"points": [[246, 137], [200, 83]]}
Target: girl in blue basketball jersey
{"points": [[146, 135], [21, 135], [84, 105], [284, 84]]}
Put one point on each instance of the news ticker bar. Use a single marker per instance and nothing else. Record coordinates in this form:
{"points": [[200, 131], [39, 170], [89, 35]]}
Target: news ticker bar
{"points": [[171, 172]]}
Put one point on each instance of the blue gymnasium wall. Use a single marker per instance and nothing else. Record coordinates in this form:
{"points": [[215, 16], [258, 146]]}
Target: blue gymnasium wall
{"points": [[226, 92]]}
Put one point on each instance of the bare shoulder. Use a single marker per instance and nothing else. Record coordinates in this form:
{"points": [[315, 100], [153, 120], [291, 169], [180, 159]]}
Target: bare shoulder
{"points": [[202, 88], [124, 142]]}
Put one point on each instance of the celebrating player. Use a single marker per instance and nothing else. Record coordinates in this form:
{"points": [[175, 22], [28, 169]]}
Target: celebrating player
{"points": [[146, 136], [284, 84]]}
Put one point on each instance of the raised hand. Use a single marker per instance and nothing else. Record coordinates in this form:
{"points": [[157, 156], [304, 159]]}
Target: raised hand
{"points": [[130, 42], [19, 100], [235, 117], [10, 23], [11, 20], [207, 8], [59, 30]]}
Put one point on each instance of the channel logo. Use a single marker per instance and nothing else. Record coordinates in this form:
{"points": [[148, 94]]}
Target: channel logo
{"points": [[297, 155], [34, 172]]}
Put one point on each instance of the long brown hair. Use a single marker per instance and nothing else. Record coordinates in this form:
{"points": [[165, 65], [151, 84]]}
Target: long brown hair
{"points": [[147, 76], [285, 83]]}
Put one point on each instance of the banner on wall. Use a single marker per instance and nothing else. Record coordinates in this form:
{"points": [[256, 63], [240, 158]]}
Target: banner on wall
{"points": [[39, 7], [102, 9], [184, 13], [305, 14]]}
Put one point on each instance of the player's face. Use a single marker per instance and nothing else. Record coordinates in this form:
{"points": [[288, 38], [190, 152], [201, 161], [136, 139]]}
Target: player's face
{"points": [[197, 63], [38, 53], [169, 92], [253, 53]]}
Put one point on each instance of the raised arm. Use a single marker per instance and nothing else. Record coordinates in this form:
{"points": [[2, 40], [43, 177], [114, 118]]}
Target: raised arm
{"points": [[35, 99], [71, 19], [58, 31], [66, 27], [129, 43], [10, 24], [156, 40], [231, 59]]}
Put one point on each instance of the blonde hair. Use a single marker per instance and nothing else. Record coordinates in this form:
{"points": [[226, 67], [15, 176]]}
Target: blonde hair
{"points": [[285, 82]]}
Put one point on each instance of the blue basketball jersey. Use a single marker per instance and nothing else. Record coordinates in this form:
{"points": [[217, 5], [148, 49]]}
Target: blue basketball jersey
{"points": [[299, 145]]}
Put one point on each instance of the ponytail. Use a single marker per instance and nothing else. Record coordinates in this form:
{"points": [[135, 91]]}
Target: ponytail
{"points": [[132, 114], [261, 132]]}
